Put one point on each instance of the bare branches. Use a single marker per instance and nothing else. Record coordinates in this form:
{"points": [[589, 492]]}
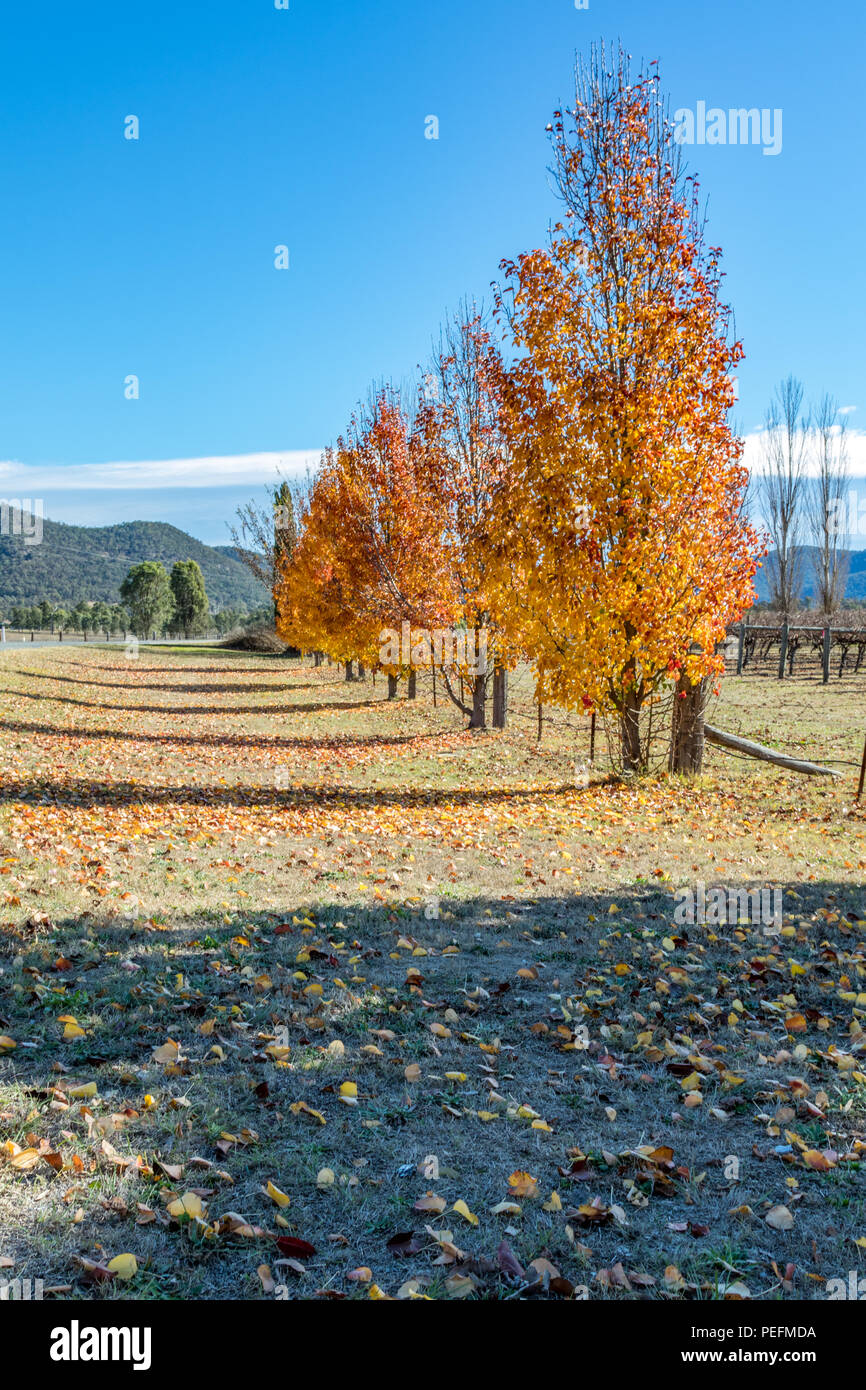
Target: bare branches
{"points": [[826, 504], [782, 490]]}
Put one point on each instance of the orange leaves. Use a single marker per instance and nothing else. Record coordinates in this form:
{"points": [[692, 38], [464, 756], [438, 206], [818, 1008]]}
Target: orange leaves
{"points": [[366, 558], [626, 482]]}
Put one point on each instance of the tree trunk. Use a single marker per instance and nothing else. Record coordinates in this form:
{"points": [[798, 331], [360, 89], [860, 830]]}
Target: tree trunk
{"points": [[392, 687], [630, 732], [687, 731], [478, 719], [500, 697], [412, 689], [350, 674], [735, 744], [362, 672]]}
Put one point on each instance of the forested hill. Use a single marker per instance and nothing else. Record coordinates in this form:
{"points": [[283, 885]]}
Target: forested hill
{"points": [[91, 562], [856, 578]]}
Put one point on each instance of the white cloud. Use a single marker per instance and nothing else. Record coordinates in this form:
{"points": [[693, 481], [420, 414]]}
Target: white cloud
{"points": [[30, 480], [754, 456]]}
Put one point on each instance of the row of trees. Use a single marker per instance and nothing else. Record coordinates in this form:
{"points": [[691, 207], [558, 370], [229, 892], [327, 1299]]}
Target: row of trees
{"points": [[802, 495], [153, 601], [564, 477]]}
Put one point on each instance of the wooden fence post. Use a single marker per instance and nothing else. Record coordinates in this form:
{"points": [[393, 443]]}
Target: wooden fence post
{"points": [[783, 651], [828, 639], [592, 740], [741, 649], [540, 720], [862, 775]]}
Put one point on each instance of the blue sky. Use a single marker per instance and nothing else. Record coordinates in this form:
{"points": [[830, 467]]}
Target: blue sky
{"points": [[305, 127]]}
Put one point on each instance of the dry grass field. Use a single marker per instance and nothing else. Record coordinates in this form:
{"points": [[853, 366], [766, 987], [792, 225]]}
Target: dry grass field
{"points": [[308, 994]]}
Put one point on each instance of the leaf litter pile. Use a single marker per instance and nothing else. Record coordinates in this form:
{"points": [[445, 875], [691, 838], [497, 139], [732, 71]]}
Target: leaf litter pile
{"points": [[308, 994]]}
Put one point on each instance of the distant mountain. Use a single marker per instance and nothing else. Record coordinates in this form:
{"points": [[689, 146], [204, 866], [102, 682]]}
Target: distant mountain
{"points": [[90, 562], [230, 550], [855, 588]]}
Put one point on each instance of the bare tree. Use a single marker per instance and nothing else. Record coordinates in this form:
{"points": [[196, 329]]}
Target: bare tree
{"points": [[782, 491], [827, 505], [266, 530]]}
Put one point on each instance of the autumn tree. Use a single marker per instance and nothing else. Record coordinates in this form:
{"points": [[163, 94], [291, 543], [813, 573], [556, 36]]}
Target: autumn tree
{"points": [[465, 464], [622, 552], [364, 561]]}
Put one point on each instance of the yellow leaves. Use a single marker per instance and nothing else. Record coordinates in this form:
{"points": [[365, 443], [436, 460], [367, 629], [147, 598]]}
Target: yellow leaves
{"points": [[412, 1073], [7, 1043], [506, 1209], [525, 1112], [431, 1202], [300, 1107], [123, 1266], [522, 1184], [168, 1054], [84, 1092], [818, 1162], [450, 1253], [281, 1199], [278, 1053], [72, 1028], [364, 1275], [439, 1030], [462, 1210], [460, 1286], [692, 1082], [22, 1160], [231, 1223], [349, 1093], [189, 1206], [780, 1218]]}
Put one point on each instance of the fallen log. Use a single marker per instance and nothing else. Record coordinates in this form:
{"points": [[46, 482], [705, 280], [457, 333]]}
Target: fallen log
{"points": [[767, 755]]}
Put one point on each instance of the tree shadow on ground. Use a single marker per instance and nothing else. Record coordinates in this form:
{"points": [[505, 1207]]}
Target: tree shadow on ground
{"points": [[308, 707], [443, 1020], [335, 741]]}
